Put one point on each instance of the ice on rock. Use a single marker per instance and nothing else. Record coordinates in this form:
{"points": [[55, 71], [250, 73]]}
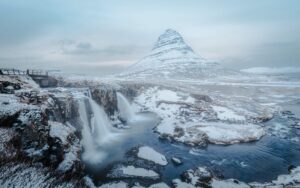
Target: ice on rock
{"points": [[70, 157], [176, 161], [226, 114], [222, 133], [180, 184], [289, 179], [193, 130], [228, 183], [10, 105], [29, 176], [5, 136], [159, 185], [201, 176], [132, 171], [61, 131], [150, 154]]}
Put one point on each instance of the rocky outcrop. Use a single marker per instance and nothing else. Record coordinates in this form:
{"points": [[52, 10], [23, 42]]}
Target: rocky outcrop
{"points": [[62, 108], [106, 96], [26, 114], [203, 177]]}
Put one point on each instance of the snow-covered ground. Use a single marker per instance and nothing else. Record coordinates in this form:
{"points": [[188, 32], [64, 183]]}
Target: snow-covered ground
{"points": [[193, 113], [193, 121], [61, 131], [29, 176], [222, 133], [202, 177]]}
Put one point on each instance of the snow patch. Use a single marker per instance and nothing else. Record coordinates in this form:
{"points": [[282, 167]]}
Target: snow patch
{"points": [[224, 113], [228, 183], [139, 172], [222, 133], [150, 154], [61, 131]]}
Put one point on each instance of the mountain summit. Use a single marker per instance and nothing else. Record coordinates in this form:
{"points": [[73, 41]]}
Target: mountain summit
{"points": [[170, 39], [170, 57]]}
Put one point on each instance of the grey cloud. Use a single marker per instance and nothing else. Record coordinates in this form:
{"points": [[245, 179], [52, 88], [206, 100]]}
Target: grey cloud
{"points": [[83, 48]]}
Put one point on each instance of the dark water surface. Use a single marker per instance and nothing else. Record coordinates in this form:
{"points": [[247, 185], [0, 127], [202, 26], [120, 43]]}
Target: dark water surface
{"points": [[259, 161]]}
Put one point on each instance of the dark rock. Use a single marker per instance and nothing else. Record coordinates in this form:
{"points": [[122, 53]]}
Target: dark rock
{"points": [[106, 97], [203, 175], [199, 97], [291, 167], [62, 109], [9, 87], [178, 132], [9, 120]]}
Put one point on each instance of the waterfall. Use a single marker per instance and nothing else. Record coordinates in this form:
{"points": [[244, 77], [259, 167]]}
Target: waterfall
{"points": [[96, 129], [87, 138], [102, 127], [124, 107]]}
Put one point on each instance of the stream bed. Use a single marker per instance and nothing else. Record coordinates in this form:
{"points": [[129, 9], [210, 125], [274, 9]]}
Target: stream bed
{"points": [[258, 161]]}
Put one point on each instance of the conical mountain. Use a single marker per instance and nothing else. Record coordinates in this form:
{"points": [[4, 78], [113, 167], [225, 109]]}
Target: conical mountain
{"points": [[170, 57]]}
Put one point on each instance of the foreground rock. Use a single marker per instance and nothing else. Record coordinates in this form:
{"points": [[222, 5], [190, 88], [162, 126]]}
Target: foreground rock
{"points": [[38, 129], [25, 175], [203, 177], [221, 133]]}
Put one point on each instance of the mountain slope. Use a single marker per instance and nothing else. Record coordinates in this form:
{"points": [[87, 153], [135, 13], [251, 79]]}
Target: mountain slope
{"points": [[171, 57]]}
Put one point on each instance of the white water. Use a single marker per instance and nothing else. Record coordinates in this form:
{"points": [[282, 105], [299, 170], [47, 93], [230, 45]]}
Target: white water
{"points": [[96, 132], [102, 127], [124, 107]]}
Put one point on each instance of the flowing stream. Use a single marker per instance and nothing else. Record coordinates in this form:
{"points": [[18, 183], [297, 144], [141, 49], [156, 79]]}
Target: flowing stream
{"points": [[105, 146]]}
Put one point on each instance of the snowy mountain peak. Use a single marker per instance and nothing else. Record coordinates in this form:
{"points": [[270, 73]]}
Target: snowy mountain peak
{"points": [[170, 57], [170, 38]]}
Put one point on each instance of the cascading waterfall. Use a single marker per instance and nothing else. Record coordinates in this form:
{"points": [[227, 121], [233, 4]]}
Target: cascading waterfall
{"points": [[96, 130], [87, 137], [124, 107], [102, 127]]}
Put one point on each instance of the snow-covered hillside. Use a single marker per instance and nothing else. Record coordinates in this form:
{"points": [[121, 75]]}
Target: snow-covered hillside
{"points": [[171, 57]]}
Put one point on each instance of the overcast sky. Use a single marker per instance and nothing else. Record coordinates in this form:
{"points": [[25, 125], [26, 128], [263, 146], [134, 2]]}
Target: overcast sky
{"points": [[105, 36]]}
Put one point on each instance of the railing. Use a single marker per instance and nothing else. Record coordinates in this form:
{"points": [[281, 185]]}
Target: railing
{"points": [[21, 72]]}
